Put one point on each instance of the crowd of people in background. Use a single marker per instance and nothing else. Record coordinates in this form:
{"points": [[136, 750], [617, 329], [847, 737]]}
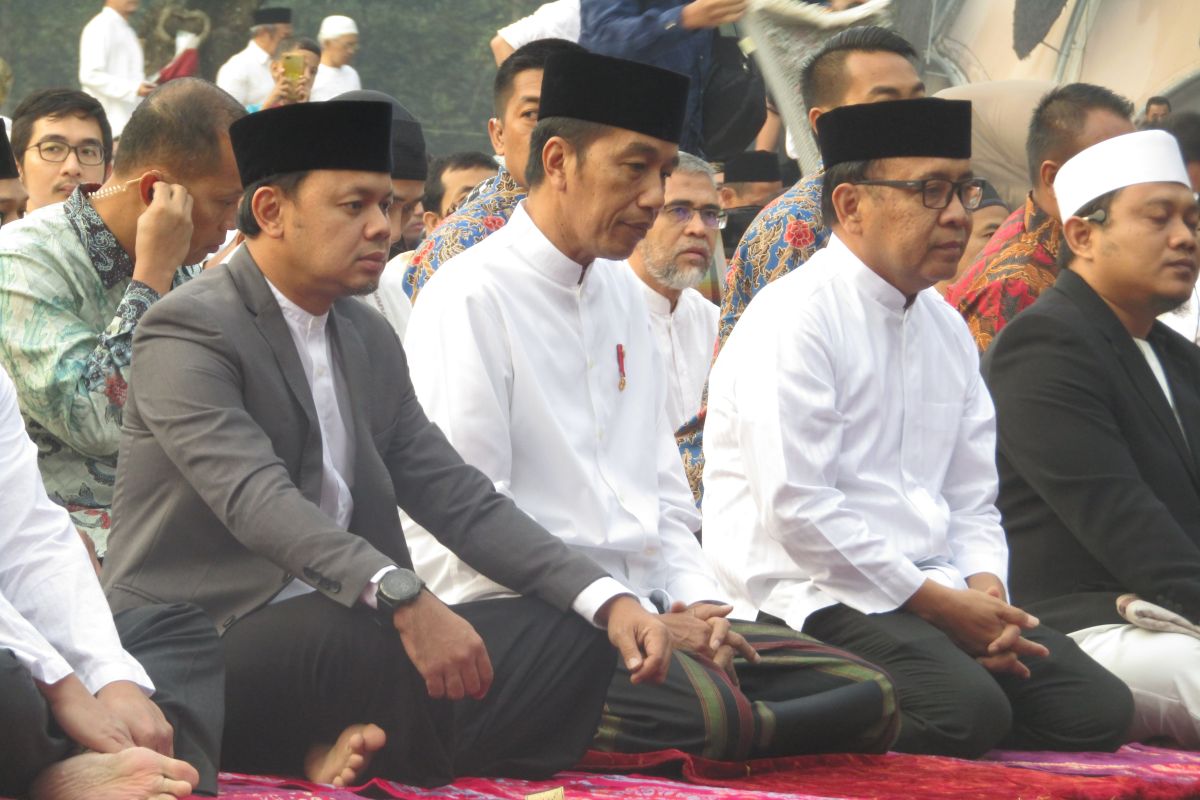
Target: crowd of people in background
{"points": [[331, 457]]}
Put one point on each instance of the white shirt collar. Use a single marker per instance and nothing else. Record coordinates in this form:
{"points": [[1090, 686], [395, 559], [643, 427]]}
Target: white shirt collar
{"points": [[540, 253], [654, 301], [294, 314], [866, 280], [255, 49]]}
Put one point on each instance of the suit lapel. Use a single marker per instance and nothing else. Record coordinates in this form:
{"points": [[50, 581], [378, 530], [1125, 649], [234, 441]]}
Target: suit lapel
{"points": [[1097, 312], [354, 401], [268, 318], [1179, 360]]}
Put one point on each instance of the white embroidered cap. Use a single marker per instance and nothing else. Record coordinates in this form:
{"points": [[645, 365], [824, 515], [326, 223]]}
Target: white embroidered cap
{"points": [[335, 26], [1141, 157]]}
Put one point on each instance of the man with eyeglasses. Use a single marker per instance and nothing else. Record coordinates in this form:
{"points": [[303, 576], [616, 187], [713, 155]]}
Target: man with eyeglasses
{"points": [[61, 139], [533, 351], [76, 278], [670, 262], [849, 457]]}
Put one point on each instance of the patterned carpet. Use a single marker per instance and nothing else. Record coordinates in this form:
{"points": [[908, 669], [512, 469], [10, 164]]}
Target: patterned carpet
{"points": [[1135, 772]]}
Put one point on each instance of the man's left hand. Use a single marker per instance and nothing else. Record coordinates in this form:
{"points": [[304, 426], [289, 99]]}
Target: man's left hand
{"points": [[702, 628], [145, 721]]}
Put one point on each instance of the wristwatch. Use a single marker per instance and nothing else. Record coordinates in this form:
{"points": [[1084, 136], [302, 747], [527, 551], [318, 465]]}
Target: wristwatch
{"points": [[396, 589]]}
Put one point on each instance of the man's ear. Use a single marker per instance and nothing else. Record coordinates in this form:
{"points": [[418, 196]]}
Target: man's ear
{"points": [[1047, 172], [496, 134], [558, 158], [1080, 236], [813, 115], [430, 220], [267, 205], [847, 202], [728, 196]]}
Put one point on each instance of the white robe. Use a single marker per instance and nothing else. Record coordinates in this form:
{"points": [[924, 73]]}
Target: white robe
{"points": [[247, 75], [685, 339], [849, 448], [513, 353], [333, 81], [111, 66]]}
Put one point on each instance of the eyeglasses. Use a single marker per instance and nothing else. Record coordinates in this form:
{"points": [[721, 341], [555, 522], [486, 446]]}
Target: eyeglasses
{"points": [[90, 155], [682, 215], [936, 192]]}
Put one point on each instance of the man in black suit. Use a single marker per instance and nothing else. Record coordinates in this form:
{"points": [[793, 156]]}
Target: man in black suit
{"points": [[1098, 417], [272, 434]]}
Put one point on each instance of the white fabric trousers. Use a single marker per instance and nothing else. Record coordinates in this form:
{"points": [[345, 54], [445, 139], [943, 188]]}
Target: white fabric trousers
{"points": [[1163, 672]]}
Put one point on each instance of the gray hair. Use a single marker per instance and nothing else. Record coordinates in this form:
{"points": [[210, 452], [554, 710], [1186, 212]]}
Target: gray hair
{"points": [[694, 165]]}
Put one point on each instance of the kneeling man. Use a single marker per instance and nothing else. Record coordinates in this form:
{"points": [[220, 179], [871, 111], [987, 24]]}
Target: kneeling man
{"points": [[272, 433], [534, 352], [849, 457], [1098, 418]]}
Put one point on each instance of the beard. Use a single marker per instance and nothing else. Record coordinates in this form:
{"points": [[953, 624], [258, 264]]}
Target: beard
{"points": [[664, 267]]}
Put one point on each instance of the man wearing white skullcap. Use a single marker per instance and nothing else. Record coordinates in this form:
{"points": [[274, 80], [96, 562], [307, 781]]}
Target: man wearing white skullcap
{"points": [[338, 36], [1098, 417]]}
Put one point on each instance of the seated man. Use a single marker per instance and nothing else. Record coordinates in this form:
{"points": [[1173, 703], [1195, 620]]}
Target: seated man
{"points": [[534, 353], [1098, 417], [751, 181], [1020, 261], [670, 261], [62, 140], [71, 681], [271, 431], [76, 278], [515, 92], [849, 466]]}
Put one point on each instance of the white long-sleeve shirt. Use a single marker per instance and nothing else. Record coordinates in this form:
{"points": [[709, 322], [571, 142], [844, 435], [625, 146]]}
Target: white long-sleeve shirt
{"points": [[53, 615], [333, 81], [112, 66], [247, 75], [555, 20], [685, 338], [513, 351], [849, 448]]}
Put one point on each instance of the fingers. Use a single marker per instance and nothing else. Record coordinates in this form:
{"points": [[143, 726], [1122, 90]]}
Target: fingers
{"points": [[435, 684], [706, 611], [723, 658], [1005, 663], [1005, 641], [1023, 647], [481, 670], [1015, 616], [738, 644], [677, 607], [454, 685], [655, 644], [720, 632]]}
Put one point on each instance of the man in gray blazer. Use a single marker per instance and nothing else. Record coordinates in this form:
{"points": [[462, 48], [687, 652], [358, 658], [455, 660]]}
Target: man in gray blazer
{"points": [[271, 434]]}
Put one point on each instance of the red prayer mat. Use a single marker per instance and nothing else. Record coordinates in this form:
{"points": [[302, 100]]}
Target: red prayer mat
{"points": [[1135, 772]]}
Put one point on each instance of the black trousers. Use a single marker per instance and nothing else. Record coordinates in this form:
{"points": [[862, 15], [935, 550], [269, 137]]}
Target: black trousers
{"points": [[951, 705], [301, 671], [179, 649]]}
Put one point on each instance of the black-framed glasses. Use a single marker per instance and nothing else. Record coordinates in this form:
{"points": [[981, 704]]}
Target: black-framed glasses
{"points": [[90, 155], [936, 192], [682, 215]]}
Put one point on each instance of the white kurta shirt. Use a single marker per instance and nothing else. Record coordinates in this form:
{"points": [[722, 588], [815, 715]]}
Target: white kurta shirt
{"points": [[247, 75], [309, 333], [555, 20], [513, 351], [685, 339], [849, 449], [111, 66], [53, 615], [390, 298], [332, 81]]}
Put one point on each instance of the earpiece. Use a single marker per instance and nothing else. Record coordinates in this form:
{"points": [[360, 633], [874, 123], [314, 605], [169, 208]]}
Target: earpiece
{"points": [[1097, 217]]}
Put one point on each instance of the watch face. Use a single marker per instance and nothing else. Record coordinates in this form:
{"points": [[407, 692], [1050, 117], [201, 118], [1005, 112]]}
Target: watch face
{"points": [[400, 586]]}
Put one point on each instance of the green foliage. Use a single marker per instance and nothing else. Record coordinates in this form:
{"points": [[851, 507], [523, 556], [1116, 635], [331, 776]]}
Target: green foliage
{"points": [[432, 56]]}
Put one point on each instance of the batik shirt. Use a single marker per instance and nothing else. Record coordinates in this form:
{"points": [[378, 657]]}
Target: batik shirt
{"points": [[1016, 266], [68, 310], [782, 237], [486, 210]]}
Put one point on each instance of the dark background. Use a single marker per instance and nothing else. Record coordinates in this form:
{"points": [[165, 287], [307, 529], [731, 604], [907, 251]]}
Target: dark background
{"points": [[432, 56]]}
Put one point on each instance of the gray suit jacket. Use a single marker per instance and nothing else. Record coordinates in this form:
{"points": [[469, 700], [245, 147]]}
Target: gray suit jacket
{"points": [[219, 468]]}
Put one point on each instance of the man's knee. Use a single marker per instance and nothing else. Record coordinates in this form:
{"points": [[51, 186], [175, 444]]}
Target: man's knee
{"points": [[963, 713]]}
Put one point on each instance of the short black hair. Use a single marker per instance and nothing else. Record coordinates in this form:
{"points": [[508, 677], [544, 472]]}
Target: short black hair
{"points": [[526, 57], [289, 44], [845, 172], [823, 79], [1185, 127], [1157, 100], [580, 133], [57, 103], [1059, 118], [287, 182], [179, 124], [1102, 203], [435, 190]]}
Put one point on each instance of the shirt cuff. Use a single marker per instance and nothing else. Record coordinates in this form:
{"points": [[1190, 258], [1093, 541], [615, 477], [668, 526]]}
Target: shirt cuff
{"points": [[367, 598], [690, 589], [96, 677], [588, 603], [984, 562]]}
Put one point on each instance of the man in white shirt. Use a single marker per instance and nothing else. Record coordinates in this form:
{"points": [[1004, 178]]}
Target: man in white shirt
{"points": [[850, 457], [247, 74], [71, 679], [338, 37], [272, 435], [534, 353], [555, 20], [1098, 422], [670, 262], [112, 68]]}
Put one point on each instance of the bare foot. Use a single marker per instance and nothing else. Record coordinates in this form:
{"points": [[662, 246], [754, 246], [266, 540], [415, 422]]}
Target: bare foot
{"points": [[134, 774], [343, 763]]}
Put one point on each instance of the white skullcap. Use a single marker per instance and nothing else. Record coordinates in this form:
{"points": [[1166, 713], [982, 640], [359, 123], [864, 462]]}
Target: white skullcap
{"points": [[1142, 157], [335, 26]]}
